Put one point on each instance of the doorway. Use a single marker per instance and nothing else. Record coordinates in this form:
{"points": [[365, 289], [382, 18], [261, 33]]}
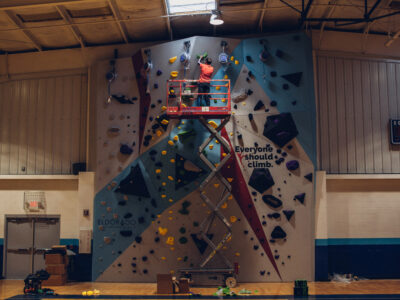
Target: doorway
{"points": [[26, 239]]}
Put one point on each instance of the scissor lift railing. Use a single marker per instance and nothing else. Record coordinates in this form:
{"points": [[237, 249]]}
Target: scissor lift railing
{"points": [[183, 89], [176, 108]]}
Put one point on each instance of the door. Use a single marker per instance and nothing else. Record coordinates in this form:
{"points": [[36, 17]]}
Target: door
{"points": [[27, 237]]}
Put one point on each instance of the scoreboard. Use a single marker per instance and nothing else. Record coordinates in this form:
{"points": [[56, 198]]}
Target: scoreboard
{"points": [[395, 132]]}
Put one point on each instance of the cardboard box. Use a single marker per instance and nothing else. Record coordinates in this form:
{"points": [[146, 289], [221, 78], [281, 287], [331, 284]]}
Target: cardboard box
{"points": [[55, 259], [55, 280], [56, 269], [164, 284]]}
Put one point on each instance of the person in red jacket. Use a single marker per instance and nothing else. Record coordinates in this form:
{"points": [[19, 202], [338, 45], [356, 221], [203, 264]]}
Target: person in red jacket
{"points": [[206, 71]]}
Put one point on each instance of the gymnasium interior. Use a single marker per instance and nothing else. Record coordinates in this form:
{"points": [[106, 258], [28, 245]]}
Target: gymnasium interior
{"points": [[205, 149]]}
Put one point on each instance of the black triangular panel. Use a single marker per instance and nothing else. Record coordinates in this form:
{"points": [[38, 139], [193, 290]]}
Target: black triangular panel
{"points": [[200, 243], [293, 78], [134, 184], [184, 177]]}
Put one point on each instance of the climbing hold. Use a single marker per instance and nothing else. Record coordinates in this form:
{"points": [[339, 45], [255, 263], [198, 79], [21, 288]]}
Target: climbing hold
{"points": [[172, 160], [280, 129], [126, 233], [218, 88], [232, 219], [216, 185], [163, 108], [288, 214], [279, 53], [285, 86], [273, 74], [232, 58], [138, 239], [159, 72], [213, 124], [165, 122], [174, 74], [200, 243], [162, 231], [134, 184], [114, 131], [226, 76], [309, 177], [293, 78], [236, 62], [184, 210], [261, 180], [172, 59], [249, 59], [274, 216], [292, 165], [259, 105], [170, 241], [251, 117], [125, 149], [273, 103], [278, 233], [171, 178], [300, 197], [176, 138], [156, 86], [171, 143], [183, 240], [158, 171], [211, 146], [272, 201], [230, 179]]}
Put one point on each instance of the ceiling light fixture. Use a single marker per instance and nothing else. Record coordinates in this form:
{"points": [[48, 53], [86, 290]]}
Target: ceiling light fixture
{"points": [[216, 18]]}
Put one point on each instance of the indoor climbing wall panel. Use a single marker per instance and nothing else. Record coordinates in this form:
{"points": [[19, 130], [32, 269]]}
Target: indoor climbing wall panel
{"points": [[148, 208]]}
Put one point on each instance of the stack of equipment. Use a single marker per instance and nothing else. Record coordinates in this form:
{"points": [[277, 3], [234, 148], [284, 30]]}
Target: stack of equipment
{"points": [[56, 265], [300, 288]]}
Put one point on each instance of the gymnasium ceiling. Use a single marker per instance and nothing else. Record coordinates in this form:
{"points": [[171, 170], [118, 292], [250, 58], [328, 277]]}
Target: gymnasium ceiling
{"points": [[39, 25]]}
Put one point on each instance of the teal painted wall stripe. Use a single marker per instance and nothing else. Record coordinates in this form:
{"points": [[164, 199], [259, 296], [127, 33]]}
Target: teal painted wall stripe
{"points": [[357, 241], [1, 241], [74, 242]]}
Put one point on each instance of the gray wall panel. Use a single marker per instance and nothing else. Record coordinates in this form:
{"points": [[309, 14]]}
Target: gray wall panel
{"points": [[356, 99], [42, 121]]}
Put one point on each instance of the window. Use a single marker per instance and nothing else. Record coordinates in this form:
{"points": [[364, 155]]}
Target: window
{"points": [[190, 6]]}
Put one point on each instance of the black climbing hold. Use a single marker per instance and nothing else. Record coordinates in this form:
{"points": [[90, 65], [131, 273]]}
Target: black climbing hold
{"points": [[288, 214], [182, 230], [119, 265], [159, 72], [159, 164], [134, 184], [195, 224], [144, 258], [251, 74], [148, 137], [151, 251], [272, 201], [235, 106], [264, 55], [264, 223], [293, 78], [285, 86], [254, 193], [273, 74], [280, 129], [146, 143], [161, 118], [126, 233], [122, 203], [279, 53], [127, 215], [152, 106], [249, 92], [259, 105], [309, 176], [273, 103], [138, 239], [251, 118], [153, 202], [294, 102], [276, 257], [157, 239], [133, 265], [123, 99], [255, 247], [300, 197], [153, 152], [262, 273], [246, 232], [278, 233], [141, 220], [159, 101], [156, 86], [125, 149], [183, 240], [274, 216], [184, 210], [200, 243], [292, 165], [240, 137], [247, 79], [249, 59], [261, 180], [145, 271]]}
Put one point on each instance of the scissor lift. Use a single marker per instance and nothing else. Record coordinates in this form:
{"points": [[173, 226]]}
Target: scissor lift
{"points": [[180, 105]]}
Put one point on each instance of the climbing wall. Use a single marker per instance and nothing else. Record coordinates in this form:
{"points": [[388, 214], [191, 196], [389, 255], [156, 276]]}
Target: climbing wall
{"points": [[148, 208]]}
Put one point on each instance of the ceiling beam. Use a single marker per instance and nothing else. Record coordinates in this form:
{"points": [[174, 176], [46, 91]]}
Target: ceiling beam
{"points": [[28, 34], [378, 6], [305, 13], [117, 16], [74, 29], [328, 13], [261, 21], [17, 4], [167, 20]]}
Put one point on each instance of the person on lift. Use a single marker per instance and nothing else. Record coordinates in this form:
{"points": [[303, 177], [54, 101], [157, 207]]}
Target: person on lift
{"points": [[206, 71]]}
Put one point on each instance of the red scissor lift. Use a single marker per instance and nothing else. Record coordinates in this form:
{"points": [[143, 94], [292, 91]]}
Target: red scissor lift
{"points": [[181, 98]]}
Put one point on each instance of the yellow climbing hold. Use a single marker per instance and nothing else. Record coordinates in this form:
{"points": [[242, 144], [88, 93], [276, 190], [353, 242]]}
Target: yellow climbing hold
{"points": [[211, 146], [213, 124], [162, 231], [171, 143], [223, 100], [183, 122], [237, 254], [163, 108], [232, 58], [172, 160], [164, 122], [216, 165], [233, 219], [170, 218], [171, 178], [171, 200], [230, 179], [231, 133], [224, 154], [236, 62], [170, 212], [171, 91], [179, 127], [216, 141], [158, 133], [164, 184], [216, 185], [176, 138], [163, 258], [218, 88], [174, 74], [244, 103], [158, 171], [179, 259], [163, 196], [164, 152], [230, 197], [172, 59], [226, 76], [170, 241], [224, 205]]}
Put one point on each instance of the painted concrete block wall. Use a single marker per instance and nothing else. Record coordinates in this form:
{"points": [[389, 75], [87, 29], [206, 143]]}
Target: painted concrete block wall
{"points": [[146, 212]]}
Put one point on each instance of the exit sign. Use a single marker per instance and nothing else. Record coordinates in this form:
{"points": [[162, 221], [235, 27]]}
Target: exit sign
{"points": [[395, 132]]}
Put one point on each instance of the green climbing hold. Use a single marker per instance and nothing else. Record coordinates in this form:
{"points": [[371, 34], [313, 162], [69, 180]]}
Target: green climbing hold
{"points": [[182, 230], [183, 240]]}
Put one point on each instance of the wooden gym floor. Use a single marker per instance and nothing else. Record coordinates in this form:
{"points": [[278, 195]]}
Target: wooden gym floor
{"points": [[9, 288]]}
